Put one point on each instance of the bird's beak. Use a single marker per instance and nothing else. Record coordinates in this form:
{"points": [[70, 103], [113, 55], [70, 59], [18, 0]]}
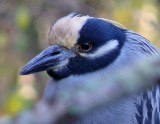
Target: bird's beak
{"points": [[53, 57]]}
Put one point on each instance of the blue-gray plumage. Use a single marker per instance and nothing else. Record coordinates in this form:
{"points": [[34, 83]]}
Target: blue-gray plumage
{"points": [[83, 47]]}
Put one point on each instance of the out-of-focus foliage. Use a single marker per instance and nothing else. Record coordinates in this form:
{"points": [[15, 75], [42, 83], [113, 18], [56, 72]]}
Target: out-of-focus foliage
{"points": [[23, 33]]}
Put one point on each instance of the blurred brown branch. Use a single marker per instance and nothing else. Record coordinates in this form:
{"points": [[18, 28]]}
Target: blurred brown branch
{"points": [[87, 96]]}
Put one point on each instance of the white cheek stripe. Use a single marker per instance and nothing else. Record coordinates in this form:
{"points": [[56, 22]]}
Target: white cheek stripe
{"points": [[106, 48]]}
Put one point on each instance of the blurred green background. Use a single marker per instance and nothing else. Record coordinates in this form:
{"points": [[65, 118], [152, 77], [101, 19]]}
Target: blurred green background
{"points": [[24, 25]]}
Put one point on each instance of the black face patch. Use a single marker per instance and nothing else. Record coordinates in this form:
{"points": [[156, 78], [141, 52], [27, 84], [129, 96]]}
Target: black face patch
{"points": [[98, 32]]}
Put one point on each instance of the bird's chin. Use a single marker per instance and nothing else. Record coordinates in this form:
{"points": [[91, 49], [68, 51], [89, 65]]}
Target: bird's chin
{"points": [[59, 73]]}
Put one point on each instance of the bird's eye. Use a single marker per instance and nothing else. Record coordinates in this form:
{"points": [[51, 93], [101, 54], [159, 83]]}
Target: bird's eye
{"points": [[84, 47]]}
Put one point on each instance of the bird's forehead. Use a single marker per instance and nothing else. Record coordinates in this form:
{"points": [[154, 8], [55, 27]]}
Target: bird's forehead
{"points": [[65, 31]]}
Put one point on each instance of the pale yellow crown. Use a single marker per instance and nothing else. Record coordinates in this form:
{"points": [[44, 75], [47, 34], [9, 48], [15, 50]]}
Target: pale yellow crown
{"points": [[65, 31]]}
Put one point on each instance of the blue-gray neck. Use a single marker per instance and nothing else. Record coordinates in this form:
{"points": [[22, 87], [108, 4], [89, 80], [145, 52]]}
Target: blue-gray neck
{"points": [[138, 109]]}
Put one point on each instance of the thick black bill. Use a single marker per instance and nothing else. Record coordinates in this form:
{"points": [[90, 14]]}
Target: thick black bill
{"points": [[53, 57]]}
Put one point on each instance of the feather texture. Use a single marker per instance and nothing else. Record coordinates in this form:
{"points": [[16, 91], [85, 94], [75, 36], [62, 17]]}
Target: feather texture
{"points": [[143, 108]]}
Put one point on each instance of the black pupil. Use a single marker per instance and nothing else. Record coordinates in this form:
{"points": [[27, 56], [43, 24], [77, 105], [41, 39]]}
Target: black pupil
{"points": [[85, 46]]}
